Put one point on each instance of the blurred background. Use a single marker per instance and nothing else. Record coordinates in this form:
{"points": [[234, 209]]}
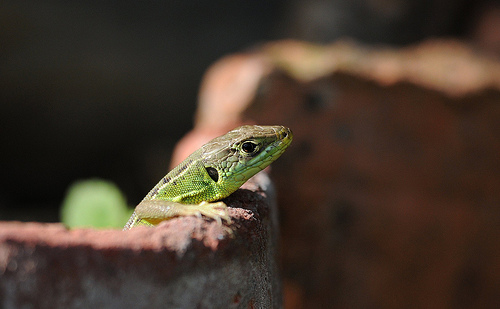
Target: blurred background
{"points": [[106, 88]]}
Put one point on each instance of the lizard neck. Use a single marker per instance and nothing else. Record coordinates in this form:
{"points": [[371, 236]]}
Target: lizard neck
{"points": [[187, 183]]}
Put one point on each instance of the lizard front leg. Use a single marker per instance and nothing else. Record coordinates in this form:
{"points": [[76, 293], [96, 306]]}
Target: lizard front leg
{"points": [[152, 212]]}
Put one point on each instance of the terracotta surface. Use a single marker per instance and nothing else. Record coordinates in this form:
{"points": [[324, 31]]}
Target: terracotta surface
{"points": [[389, 193]]}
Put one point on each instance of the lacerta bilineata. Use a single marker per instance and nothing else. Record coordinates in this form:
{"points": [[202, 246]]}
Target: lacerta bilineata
{"points": [[211, 173]]}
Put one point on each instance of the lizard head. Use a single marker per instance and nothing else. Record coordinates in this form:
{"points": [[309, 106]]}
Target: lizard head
{"points": [[230, 160]]}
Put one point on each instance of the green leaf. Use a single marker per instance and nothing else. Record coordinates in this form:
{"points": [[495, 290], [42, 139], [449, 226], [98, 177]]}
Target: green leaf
{"points": [[94, 203]]}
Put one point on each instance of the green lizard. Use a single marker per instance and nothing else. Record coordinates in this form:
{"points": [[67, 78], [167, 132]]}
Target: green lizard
{"points": [[211, 173]]}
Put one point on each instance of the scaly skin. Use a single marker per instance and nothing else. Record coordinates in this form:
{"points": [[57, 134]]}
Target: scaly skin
{"points": [[211, 173]]}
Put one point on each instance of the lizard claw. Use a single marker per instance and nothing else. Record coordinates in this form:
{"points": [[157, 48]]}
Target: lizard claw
{"points": [[217, 211]]}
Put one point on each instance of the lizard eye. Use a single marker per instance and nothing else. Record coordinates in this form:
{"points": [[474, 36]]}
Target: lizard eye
{"points": [[249, 147]]}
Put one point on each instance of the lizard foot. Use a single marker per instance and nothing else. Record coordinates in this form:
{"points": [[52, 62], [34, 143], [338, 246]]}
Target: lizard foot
{"points": [[217, 211]]}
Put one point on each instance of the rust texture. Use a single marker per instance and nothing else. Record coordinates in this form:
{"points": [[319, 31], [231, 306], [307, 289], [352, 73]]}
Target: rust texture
{"points": [[186, 262]]}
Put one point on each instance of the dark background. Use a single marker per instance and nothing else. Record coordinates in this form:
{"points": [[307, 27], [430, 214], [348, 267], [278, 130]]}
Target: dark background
{"points": [[105, 88]]}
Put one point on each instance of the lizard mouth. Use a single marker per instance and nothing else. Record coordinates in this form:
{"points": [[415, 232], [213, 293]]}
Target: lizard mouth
{"points": [[273, 151]]}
